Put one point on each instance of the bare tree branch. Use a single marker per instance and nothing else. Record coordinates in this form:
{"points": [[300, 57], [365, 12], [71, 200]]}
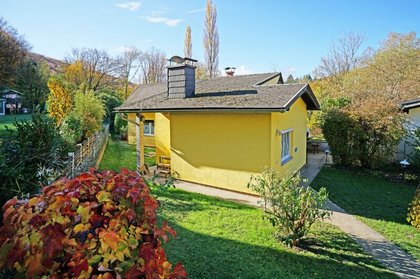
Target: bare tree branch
{"points": [[153, 66]]}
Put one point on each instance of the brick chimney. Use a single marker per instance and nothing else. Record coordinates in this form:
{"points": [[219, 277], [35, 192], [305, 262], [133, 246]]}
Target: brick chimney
{"points": [[181, 77]]}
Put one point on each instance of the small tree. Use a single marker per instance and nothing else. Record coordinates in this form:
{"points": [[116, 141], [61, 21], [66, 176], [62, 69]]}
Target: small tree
{"points": [[289, 206]]}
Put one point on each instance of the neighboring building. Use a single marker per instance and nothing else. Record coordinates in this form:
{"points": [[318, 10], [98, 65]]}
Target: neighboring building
{"points": [[220, 131], [2, 106], [405, 147], [13, 100]]}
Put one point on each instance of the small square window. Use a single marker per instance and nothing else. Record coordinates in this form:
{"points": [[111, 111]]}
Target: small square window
{"points": [[149, 128]]}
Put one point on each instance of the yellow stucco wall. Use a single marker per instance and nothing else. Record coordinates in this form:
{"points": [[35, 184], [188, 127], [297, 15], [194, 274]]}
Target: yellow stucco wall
{"points": [[295, 119], [162, 134], [220, 149], [148, 140], [224, 149]]}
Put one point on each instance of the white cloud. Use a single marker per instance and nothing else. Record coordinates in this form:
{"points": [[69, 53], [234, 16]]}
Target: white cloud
{"points": [[160, 19], [243, 70], [132, 6], [195, 11], [122, 49]]}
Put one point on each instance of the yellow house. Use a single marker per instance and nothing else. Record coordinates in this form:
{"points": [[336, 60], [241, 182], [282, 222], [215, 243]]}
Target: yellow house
{"points": [[405, 147], [220, 131]]}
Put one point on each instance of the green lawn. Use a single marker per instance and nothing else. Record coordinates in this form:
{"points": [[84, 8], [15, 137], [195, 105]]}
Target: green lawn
{"points": [[119, 154], [6, 121], [221, 239], [381, 204]]}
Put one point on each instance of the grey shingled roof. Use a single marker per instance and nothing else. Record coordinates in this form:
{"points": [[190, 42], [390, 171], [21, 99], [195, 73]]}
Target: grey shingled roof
{"points": [[222, 93]]}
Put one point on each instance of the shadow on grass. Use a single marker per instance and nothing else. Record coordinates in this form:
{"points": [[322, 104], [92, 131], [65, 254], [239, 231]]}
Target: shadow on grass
{"points": [[181, 201], [207, 256], [365, 195], [220, 239]]}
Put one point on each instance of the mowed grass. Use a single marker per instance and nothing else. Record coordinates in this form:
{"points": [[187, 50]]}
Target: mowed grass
{"points": [[379, 203], [222, 239], [6, 122], [119, 154]]}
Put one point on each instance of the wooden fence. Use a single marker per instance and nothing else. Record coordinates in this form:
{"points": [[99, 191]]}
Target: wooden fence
{"points": [[87, 153]]}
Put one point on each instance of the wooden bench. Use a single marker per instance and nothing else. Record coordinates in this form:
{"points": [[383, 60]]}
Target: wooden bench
{"points": [[163, 168]]}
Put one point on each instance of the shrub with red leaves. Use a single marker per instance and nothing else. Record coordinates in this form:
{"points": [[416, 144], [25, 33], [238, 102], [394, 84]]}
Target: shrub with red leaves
{"points": [[97, 225]]}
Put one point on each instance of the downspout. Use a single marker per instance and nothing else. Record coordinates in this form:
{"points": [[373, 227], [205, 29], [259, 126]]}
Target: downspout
{"points": [[139, 141]]}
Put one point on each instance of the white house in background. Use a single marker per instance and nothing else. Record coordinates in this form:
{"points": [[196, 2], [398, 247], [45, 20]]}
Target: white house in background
{"points": [[405, 147], [2, 106], [13, 100]]}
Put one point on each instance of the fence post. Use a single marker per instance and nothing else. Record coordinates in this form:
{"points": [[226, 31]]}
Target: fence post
{"points": [[71, 154]]}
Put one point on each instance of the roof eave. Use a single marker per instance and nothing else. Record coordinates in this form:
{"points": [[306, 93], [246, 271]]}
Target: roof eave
{"points": [[311, 103], [210, 109]]}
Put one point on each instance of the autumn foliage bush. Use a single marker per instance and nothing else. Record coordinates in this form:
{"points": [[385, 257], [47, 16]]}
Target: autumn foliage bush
{"points": [[413, 216], [97, 225]]}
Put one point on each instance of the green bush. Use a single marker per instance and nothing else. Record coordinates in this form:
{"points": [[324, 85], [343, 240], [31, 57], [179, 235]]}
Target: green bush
{"points": [[71, 130], [32, 156], [110, 100], [97, 225], [121, 127], [414, 210], [90, 111], [342, 134], [363, 136], [288, 205]]}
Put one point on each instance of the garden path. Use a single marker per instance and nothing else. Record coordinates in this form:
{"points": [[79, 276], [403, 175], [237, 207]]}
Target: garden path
{"points": [[390, 255]]}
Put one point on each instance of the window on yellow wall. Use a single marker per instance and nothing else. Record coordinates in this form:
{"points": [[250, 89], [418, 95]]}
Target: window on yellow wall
{"points": [[286, 145], [149, 128]]}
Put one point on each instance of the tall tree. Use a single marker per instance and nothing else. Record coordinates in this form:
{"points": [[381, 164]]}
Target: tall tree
{"points": [[97, 68], [13, 51], [187, 43], [153, 66], [211, 40], [129, 67], [290, 79], [32, 78], [343, 56]]}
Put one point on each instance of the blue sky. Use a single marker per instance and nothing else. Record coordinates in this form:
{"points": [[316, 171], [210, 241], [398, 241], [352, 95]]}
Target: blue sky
{"points": [[255, 36]]}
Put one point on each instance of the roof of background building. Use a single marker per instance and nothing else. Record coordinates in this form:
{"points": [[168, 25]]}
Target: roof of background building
{"points": [[247, 92], [406, 106]]}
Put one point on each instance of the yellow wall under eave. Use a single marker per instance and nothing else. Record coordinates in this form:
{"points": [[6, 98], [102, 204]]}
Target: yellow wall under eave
{"points": [[220, 149], [295, 119], [162, 135], [225, 149], [148, 140]]}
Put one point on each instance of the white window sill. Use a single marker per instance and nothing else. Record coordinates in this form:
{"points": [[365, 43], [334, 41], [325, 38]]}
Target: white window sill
{"points": [[149, 135], [286, 159]]}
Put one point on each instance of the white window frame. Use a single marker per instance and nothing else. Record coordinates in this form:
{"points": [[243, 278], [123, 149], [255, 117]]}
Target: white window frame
{"points": [[286, 157], [150, 124]]}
